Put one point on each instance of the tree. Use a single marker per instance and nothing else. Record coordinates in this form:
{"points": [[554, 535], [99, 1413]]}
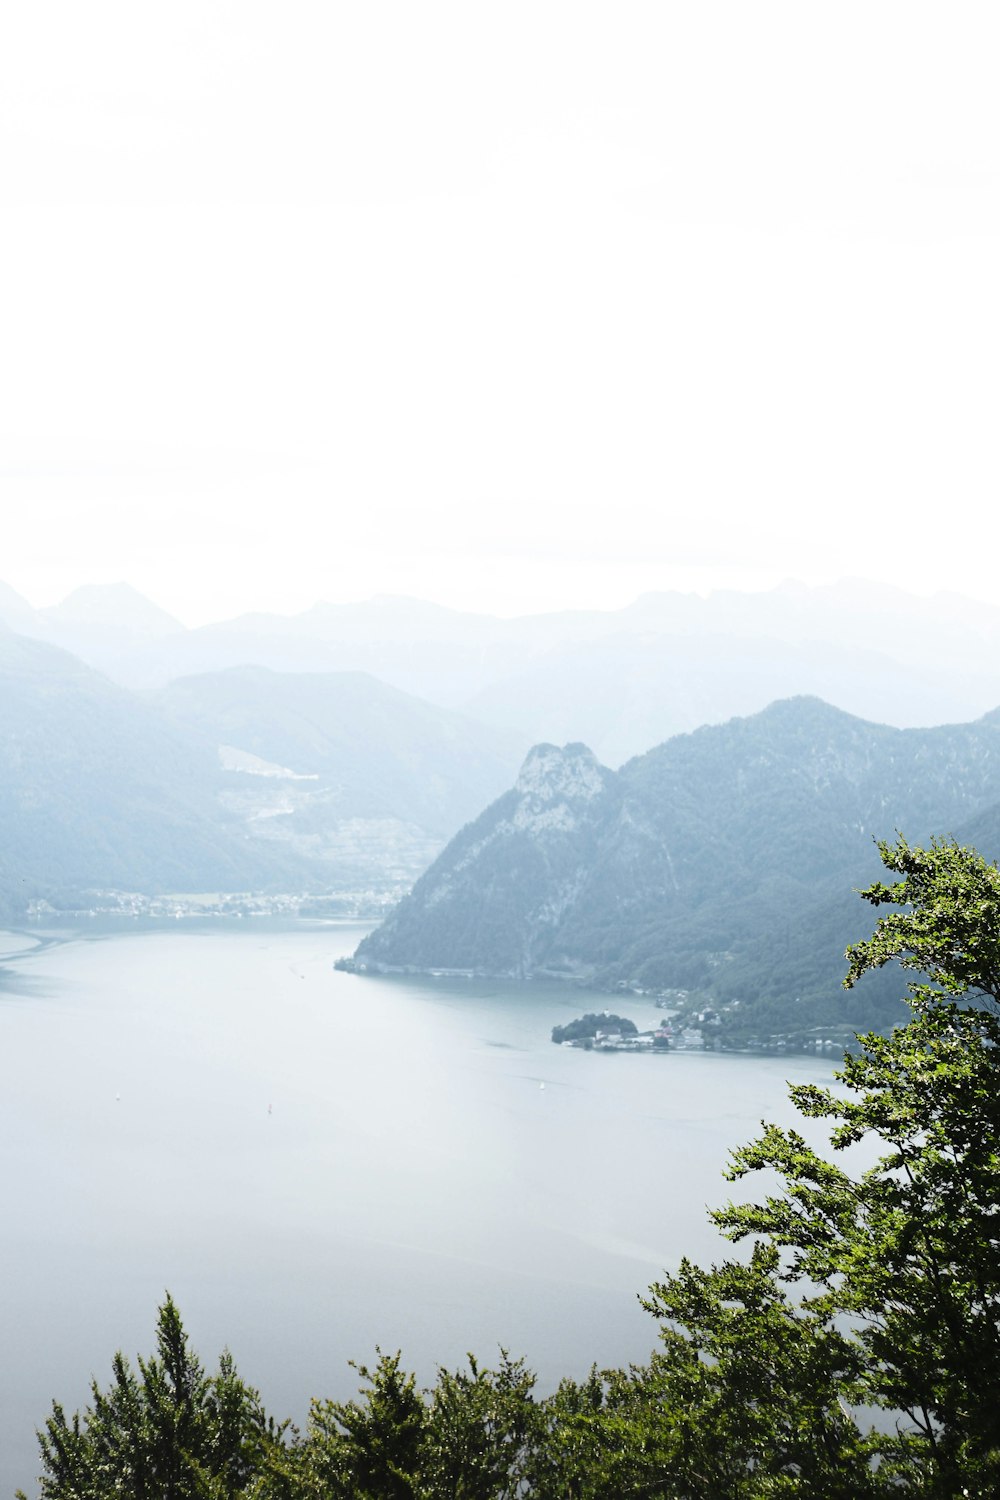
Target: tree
{"points": [[468, 1438], [753, 1387], [368, 1449], [482, 1427], [745, 1400], [168, 1432], [858, 1351], [906, 1256]]}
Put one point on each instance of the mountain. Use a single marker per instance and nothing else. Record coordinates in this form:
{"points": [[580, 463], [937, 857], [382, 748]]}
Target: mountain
{"points": [[619, 680], [248, 780], [113, 607], [624, 693], [98, 792], [431, 652], [340, 768], [14, 611], [720, 863], [105, 625]]}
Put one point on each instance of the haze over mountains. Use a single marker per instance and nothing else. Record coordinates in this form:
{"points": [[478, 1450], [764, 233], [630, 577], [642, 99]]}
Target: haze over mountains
{"points": [[621, 681], [235, 782]]}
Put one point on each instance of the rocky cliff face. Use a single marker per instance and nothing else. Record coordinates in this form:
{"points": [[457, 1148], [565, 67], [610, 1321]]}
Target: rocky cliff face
{"points": [[495, 898], [723, 860]]}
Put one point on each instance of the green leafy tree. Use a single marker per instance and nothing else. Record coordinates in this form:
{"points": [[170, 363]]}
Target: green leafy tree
{"points": [[368, 1448], [744, 1400], [751, 1387], [482, 1427], [857, 1353], [907, 1254], [167, 1432], [467, 1438], [602, 1436]]}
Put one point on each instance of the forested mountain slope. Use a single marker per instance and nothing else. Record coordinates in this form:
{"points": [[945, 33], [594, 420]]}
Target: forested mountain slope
{"points": [[721, 862]]}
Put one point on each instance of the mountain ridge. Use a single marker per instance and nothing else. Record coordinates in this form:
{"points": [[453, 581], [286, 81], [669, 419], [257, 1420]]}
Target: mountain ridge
{"points": [[620, 680]]}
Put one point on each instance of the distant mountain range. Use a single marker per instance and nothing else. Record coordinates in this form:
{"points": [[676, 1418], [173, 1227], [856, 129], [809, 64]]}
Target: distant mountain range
{"points": [[720, 863], [97, 791], [290, 755], [241, 780], [619, 680]]}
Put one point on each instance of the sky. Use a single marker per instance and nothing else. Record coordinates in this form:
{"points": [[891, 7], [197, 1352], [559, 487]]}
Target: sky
{"points": [[510, 306]]}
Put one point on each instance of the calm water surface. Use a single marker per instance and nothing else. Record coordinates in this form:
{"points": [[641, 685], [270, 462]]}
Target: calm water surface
{"points": [[315, 1163]]}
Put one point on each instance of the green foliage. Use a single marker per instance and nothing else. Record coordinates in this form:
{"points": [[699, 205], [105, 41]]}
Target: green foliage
{"points": [[895, 1270], [368, 1447], [752, 1387], [482, 1427], [166, 1432], [469, 1438], [909, 1251], [947, 925]]}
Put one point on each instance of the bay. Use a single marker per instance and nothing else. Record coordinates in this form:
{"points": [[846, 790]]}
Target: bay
{"points": [[315, 1163]]}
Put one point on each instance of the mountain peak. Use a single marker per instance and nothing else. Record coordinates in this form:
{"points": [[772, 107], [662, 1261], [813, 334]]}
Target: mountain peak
{"points": [[571, 774], [12, 606], [116, 606]]}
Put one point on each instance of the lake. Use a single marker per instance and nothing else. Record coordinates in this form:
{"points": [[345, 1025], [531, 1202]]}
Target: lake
{"points": [[315, 1163]]}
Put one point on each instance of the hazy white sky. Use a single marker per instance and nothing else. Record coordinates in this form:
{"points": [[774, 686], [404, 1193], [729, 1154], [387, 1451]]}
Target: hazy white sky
{"points": [[512, 306]]}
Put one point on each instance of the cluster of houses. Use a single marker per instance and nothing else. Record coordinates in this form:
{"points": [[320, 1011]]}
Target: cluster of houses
{"points": [[614, 1039], [605, 1032], [645, 1041]]}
